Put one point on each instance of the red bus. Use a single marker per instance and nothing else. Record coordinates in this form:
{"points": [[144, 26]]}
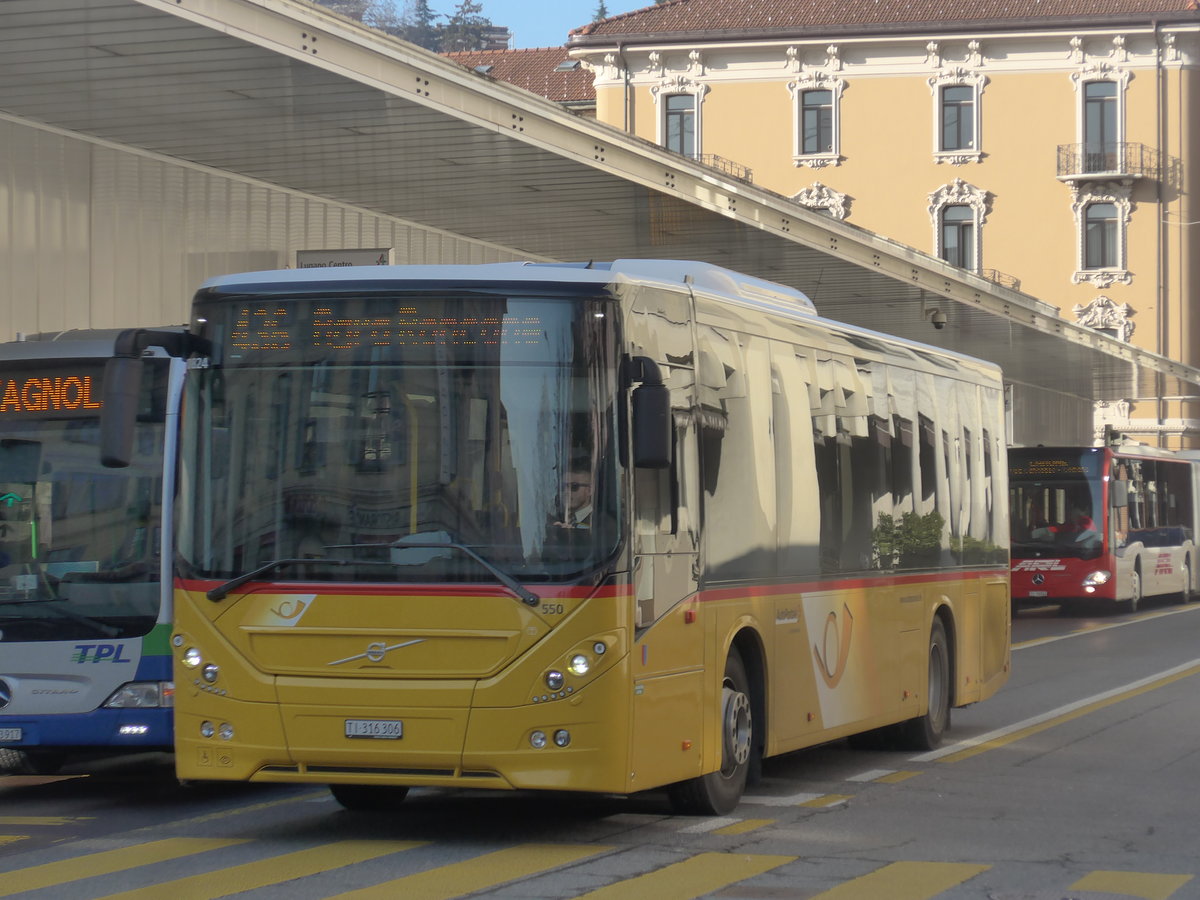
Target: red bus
{"points": [[1108, 524]]}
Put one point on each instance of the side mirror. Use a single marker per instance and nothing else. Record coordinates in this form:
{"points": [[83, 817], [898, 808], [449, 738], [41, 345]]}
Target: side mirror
{"points": [[651, 410], [118, 415], [1118, 494]]}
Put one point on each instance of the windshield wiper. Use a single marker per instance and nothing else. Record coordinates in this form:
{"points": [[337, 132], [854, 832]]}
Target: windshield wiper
{"points": [[221, 591], [67, 613], [515, 587]]}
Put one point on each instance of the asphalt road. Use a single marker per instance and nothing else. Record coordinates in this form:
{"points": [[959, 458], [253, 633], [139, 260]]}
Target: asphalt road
{"points": [[1079, 780]]}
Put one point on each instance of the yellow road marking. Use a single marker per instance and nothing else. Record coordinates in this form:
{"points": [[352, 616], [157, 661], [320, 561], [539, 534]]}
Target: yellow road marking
{"points": [[262, 873], [828, 800], [1134, 884], [105, 863], [11, 838], [1077, 712], [904, 881], [744, 826], [693, 877], [479, 873], [896, 776], [43, 820]]}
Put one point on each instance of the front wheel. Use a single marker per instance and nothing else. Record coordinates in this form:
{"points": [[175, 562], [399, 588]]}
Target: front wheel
{"points": [[368, 797], [1135, 588], [718, 793], [1185, 594], [926, 732]]}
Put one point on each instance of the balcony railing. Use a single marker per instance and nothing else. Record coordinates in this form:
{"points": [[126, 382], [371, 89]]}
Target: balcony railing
{"points": [[1113, 159], [1001, 278], [728, 166]]}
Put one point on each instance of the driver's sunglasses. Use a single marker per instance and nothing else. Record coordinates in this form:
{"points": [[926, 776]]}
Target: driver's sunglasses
{"points": [[574, 485]]}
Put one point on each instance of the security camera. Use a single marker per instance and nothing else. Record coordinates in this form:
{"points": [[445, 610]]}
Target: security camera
{"points": [[938, 319]]}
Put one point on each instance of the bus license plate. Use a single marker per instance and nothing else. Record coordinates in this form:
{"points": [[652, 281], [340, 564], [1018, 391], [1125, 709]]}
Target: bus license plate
{"points": [[384, 729], [1039, 593], [10, 734]]}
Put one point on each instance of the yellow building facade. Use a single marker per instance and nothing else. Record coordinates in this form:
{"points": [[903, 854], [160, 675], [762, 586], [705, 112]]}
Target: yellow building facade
{"points": [[1058, 154]]}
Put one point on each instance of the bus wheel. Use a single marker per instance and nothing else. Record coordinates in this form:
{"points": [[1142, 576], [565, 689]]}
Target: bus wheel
{"points": [[926, 732], [1185, 595], [718, 793], [35, 762], [368, 797], [1135, 587]]}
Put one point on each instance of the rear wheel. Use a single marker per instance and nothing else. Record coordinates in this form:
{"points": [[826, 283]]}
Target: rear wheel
{"points": [[926, 732], [368, 797], [1185, 593], [718, 793]]}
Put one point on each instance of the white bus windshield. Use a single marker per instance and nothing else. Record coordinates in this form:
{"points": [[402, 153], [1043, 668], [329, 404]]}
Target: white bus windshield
{"points": [[1055, 502], [79, 543], [345, 429]]}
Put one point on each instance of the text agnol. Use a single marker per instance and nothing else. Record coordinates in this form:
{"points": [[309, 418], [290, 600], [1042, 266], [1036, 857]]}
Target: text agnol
{"points": [[48, 394]]}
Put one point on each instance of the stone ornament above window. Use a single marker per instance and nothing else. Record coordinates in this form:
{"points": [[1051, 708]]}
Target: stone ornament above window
{"points": [[960, 193], [1105, 315], [820, 197]]}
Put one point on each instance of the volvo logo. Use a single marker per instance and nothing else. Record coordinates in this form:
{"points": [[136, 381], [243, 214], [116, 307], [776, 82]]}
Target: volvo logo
{"points": [[376, 651], [1039, 578], [6, 693]]}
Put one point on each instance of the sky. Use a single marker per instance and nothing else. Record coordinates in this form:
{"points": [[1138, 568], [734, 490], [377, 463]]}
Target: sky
{"points": [[542, 23]]}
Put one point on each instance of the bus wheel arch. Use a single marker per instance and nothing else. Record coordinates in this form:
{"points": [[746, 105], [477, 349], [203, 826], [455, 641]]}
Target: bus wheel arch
{"points": [[925, 732], [719, 792]]}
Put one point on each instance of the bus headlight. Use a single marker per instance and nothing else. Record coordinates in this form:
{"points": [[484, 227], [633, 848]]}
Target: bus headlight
{"points": [[580, 665], [191, 657], [209, 673], [537, 740], [555, 680], [1095, 579], [142, 695]]}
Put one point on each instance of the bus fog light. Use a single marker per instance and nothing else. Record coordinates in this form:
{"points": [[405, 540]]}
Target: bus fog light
{"points": [[580, 664], [562, 737], [555, 679], [225, 732], [538, 740], [192, 658], [207, 729], [1095, 579], [209, 673]]}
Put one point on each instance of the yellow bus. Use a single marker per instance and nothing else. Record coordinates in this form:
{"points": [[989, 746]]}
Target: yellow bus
{"points": [[606, 527]]}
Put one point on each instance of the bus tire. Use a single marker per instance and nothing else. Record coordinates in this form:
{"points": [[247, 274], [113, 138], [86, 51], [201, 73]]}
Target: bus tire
{"points": [[1185, 594], [369, 797], [718, 793], [1135, 585], [926, 732], [31, 762]]}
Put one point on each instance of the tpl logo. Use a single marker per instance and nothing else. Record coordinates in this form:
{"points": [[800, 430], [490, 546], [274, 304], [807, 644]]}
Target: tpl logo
{"points": [[1040, 565], [94, 653]]}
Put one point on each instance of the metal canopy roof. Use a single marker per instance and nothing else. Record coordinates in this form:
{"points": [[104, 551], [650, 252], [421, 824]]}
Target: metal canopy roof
{"points": [[286, 92]]}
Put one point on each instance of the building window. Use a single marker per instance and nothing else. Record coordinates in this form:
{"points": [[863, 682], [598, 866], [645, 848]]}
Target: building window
{"points": [[1100, 236], [817, 101], [957, 95], [958, 236], [1102, 212], [680, 126], [958, 212], [680, 102], [1100, 126], [958, 118], [817, 119]]}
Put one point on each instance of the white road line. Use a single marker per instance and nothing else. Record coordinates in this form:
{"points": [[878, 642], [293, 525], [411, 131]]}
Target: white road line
{"points": [[1052, 714], [1038, 642], [788, 800]]}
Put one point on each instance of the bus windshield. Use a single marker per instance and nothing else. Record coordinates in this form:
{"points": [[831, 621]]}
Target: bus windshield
{"points": [[425, 436], [1055, 502], [79, 543]]}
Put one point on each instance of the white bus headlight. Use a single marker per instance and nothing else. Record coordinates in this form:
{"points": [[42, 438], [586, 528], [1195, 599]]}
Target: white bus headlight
{"points": [[1095, 579], [142, 695], [555, 680], [580, 665], [192, 658]]}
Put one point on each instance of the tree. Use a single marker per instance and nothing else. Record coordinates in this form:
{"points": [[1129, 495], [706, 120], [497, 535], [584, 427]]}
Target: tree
{"points": [[464, 29], [601, 12]]}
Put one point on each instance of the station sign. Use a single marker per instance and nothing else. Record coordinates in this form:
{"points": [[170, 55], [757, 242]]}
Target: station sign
{"points": [[333, 259]]}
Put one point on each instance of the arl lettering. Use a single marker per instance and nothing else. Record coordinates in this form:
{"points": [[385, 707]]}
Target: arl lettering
{"points": [[95, 653], [47, 394]]}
